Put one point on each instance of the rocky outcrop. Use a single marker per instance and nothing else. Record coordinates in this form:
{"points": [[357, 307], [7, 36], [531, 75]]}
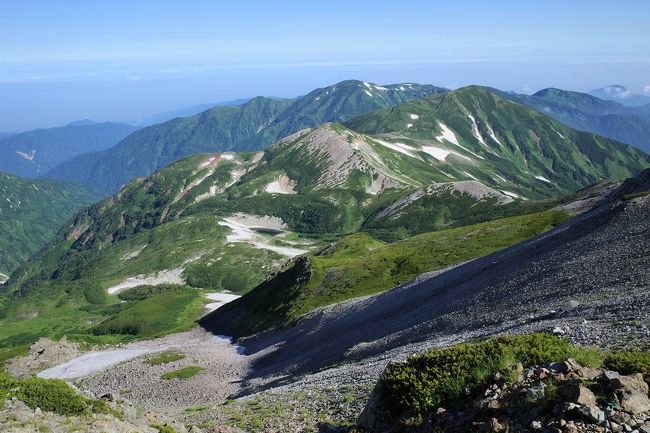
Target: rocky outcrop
{"points": [[560, 397], [43, 354]]}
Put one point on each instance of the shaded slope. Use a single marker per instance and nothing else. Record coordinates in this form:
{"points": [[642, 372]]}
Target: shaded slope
{"points": [[582, 260], [358, 265]]}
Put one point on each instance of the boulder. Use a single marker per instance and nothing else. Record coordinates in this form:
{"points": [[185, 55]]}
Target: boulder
{"points": [[592, 413], [631, 392], [574, 392]]}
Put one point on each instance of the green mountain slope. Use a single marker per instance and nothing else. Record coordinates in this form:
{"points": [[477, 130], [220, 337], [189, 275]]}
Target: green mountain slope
{"points": [[475, 134], [359, 265], [253, 125], [33, 153], [30, 214], [219, 129], [585, 112], [227, 221]]}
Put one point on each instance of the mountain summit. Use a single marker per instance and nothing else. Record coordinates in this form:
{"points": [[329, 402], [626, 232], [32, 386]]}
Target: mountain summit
{"points": [[619, 93], [253, 125]]}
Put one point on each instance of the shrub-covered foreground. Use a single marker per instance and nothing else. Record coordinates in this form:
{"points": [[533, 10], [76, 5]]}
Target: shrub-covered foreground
{"points": [[440, 377], [51, 395]]}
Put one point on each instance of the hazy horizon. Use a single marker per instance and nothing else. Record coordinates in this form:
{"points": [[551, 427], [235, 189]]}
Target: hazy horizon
{"points": [[124, 62]]}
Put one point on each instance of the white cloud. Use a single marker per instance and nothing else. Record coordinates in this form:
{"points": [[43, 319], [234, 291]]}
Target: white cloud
{"points": [[646, 89]]}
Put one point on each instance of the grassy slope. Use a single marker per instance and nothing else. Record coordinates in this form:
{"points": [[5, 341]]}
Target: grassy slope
{"points": [[359, 265], [253, 125], [587, 113], [532, 144], [30, 214]]}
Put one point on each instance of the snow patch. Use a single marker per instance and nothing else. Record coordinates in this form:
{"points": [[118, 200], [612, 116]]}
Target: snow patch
{"points": [[441, 154], [543, 179], [475, 132], [220, 299], [368, 93], [398, 147], [173, 276], [512, 194], [492, 135], [243, 229], [409, 125], [414, 116], [228, 156], [3, 278], [29, 156], [207, 162], [133, 254], [281, 185], [470, 175], [447, 134]]}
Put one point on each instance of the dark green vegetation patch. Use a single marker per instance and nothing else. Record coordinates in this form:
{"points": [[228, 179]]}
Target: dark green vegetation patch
{"points": [[51, 395], [444, 377], [183, 373]]}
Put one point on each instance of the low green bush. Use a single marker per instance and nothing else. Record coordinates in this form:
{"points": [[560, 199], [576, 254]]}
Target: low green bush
{"points": [[439, 376], [51, 395], [143, 292], [628, 362], [183, 373], [163, 428], [165, 357]]}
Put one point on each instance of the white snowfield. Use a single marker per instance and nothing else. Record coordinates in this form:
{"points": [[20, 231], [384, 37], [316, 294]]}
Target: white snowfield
{"points": [[447, 134], [220, 299], [90, 362], [542, 178], [243, 229], [399, 147], [3, 278], [441, 154], [173, 276]]}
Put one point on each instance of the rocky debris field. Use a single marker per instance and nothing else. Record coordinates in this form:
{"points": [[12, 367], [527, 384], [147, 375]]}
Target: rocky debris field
{"points": [[587, 279], [221, 368], [562, 397], [42, 355]]}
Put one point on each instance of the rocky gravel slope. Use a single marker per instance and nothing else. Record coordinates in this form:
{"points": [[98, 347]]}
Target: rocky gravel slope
{"points": [[587, 279]]}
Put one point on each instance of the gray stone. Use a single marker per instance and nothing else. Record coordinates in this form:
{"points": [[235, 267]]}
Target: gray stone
{"points": [[630, 391], [574, 392], [592, 413]]}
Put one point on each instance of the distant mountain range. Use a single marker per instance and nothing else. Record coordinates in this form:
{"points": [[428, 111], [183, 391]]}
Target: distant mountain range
{"points": [[250, 126], [34, 153], [582, 111], [621, 94], [186, 112]]}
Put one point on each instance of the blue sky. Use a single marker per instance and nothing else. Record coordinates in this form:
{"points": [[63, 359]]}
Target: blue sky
{"points": [[124, 60]]}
